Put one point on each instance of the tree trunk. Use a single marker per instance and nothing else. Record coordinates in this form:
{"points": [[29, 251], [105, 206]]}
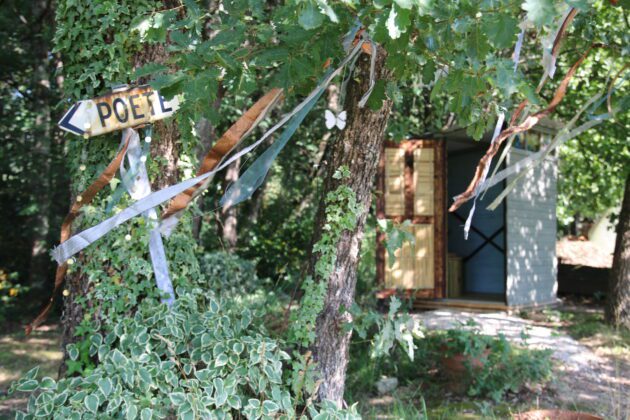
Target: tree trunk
{"points": [[358, 147], [618, 305], [164, 149]]}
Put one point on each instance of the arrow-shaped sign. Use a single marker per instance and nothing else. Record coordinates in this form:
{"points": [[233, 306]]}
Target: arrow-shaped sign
{"points": [[117, 110]]}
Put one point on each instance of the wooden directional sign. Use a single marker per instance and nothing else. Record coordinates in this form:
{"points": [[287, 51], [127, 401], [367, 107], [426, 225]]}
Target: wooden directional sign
{"points": [[122, 108]]}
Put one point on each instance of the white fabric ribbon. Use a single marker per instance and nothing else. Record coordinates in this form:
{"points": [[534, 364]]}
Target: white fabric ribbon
{"points": [[138, 189], [519, 45]]}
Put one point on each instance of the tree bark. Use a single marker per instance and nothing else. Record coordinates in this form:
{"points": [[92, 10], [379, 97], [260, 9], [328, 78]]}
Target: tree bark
{"points": [[618, 305], [358, 147]]}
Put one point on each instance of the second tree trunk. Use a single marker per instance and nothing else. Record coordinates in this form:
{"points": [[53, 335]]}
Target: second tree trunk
{"points": [[358, 148]]}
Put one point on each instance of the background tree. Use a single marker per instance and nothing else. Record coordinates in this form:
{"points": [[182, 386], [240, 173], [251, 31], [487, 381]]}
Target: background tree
{"points": [[618, 303], [33, 181]]}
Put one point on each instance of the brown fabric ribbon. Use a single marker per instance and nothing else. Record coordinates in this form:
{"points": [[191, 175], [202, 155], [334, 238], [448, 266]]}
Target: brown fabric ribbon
{"points": [[66, 227], [223, 146], [528, 123], [565, 24]]}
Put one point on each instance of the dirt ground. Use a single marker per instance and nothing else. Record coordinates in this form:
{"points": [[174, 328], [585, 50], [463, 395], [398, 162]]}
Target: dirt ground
{"points": [[605, 387]]}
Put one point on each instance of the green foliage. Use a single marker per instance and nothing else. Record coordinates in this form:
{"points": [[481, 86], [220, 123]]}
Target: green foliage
{"points": [[97, 43], [229, 274], [205, 357], [506, 367], [595, 164], [540, 12], [503, 367], [395, 327], [33, 179], [395, 236]]}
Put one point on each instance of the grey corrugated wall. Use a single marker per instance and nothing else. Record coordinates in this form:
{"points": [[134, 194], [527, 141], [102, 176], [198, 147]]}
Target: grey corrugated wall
{"points": [[531, 235]]}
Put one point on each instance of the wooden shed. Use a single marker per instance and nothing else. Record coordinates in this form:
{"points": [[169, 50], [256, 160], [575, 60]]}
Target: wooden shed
{"points": [[509, 259]]}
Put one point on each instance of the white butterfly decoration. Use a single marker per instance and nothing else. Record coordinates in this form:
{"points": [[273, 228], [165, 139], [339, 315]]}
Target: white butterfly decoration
{"points": [[332, 120]]}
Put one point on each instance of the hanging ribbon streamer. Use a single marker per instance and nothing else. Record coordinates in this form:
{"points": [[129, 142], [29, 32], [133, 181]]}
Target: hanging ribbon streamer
{"points": [[138, 189], [66, 227], [228, 141], [565, 134], [254, 176], [551, 47], [530, 121], [495, 135], [516, 55], [83, 239]]}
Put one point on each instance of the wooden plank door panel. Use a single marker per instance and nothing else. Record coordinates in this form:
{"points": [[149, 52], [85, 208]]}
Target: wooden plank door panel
{"points": [[411, 181]]}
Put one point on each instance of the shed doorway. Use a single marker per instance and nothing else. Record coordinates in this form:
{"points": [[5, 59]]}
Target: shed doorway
{"points": [[476, 267]]}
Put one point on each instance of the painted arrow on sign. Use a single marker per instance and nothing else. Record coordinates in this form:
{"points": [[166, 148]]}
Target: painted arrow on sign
{"points": [[123, 108]]}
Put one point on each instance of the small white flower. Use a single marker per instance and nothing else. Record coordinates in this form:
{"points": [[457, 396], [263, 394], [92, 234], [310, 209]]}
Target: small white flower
{"points": [[79, 198], [70, 261], [147, 139], [127, 237], [82, 167], [143, 159]]}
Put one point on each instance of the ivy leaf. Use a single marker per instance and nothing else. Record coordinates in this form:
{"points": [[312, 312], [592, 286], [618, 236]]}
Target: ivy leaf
{"points": [[310, 17], [234, 401], [32, 374], [222, 360], [48, 383], [177, 398], [270, 407], [220, 397], [132, 412], [501, 30], [539, 12]]}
